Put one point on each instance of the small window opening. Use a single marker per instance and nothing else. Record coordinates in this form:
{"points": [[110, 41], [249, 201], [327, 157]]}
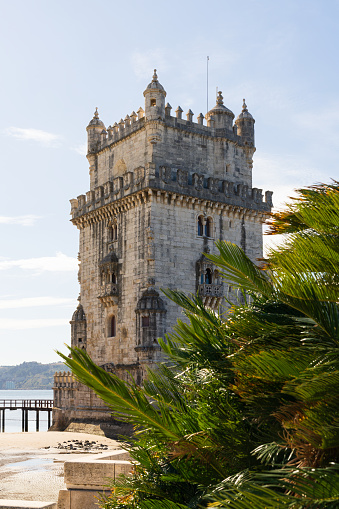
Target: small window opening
{"points": [[113, 278], [200, 227], [208, 277], [208, 227], [153, 102], [202, 279], [145, 321], [113, 327], [80, 340], [115, 232]]}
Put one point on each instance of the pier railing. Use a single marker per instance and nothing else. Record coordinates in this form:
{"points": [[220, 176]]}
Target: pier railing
{"points": [[30, 404], [26, 405]]}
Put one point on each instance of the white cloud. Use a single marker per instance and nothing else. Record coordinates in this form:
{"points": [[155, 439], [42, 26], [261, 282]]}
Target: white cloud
{"points": [[39, 323], [27, 220], [58, 263], [28, 302], [80, 149], [43, 137]]}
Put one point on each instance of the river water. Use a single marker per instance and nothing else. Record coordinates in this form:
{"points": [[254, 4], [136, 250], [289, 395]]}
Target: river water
{"points": [[13, 417]]}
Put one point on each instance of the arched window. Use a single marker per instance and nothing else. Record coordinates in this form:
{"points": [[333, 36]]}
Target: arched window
{"points": [[208, 277], [200, 227], [112, 327], [113, 278], [115, 232], [208, 227], [110, 233]]}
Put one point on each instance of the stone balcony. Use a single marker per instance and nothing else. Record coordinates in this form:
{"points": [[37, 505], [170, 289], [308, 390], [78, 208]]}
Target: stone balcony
{"points": [[108, 294], [210, 290]]}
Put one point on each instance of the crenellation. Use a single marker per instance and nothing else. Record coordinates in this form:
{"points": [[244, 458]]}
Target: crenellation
{"points": [[163, 189]]}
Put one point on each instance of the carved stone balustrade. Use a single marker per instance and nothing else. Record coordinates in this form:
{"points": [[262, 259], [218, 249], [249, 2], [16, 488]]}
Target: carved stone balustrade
{"points": [[210, 290], [109, 293]]}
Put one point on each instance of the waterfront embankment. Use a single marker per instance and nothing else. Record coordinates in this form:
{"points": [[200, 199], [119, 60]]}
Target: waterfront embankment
{"points": [[31, 464]]}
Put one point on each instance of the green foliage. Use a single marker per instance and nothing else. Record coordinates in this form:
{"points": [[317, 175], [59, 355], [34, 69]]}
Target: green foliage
{"points": [[30, 375], [244, 412]]}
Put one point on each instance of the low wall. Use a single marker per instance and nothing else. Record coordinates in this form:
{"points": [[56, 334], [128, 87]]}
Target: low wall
{"points": [[86, 480]]}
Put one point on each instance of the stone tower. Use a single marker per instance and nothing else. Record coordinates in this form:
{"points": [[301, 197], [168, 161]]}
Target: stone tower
{"points": [[162, 190]]}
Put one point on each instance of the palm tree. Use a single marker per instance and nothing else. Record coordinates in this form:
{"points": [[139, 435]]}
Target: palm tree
{"points": [[244, 412]]}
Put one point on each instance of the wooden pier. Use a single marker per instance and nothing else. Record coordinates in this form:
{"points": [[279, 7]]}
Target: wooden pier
{"points": [[26, 405]]}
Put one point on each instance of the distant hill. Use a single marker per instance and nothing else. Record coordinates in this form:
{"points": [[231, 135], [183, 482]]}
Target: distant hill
{"points": [[29, 375]]}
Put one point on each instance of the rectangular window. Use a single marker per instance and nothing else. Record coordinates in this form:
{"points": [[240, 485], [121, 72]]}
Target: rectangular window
{"points": [[145, 321]]}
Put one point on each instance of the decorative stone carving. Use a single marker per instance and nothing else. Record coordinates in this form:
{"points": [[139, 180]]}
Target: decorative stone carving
{"points": [[165, 174], [108, 188], [139, 175], [228, 188], [99, 192], [128, 180], [213, 185], [198, 181], [117, 185], [182, 177]]}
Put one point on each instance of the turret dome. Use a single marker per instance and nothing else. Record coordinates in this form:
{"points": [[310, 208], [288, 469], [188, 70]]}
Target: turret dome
{"points": [[219, 108], [155, 85], [245, 113], [79, 314], [96, 122]]}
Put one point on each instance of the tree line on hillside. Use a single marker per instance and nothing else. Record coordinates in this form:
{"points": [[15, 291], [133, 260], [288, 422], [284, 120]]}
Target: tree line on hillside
{"points": [[244, 412], [30, 375]]}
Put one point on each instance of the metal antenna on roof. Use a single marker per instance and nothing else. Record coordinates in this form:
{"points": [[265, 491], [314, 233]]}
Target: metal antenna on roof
{"points": [[207, 81]]}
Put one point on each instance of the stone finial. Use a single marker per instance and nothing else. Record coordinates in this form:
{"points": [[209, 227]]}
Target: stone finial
{"points": [[110, 131], [201, 119], [115, 127], [220, 99], [168, 108], [96, 113], [133, 116], [189, 115], [127, 121], [155, 76], [140, 113], [244, 105], [121, 124], [178, 112]]}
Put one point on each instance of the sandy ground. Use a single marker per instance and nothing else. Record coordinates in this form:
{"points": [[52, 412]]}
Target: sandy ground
{"points": [[31, 465]]}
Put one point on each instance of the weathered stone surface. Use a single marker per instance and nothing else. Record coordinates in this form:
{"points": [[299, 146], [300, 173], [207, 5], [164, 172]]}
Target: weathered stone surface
{"points": [[162, 191]]}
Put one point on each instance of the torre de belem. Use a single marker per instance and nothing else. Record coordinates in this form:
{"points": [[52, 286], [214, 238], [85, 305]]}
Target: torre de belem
{"points": [[163, 189]]}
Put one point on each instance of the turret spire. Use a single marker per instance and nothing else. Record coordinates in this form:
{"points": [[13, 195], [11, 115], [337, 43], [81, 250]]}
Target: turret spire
{"points": [[155, 76], [220, 99], [244, 105], [96, 113]]}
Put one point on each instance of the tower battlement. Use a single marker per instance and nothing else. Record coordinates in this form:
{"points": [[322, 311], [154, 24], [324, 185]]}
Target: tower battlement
{"points": [[162, 190]]}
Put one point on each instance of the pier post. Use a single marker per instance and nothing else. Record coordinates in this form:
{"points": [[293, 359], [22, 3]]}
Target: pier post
{"points": [[26, 420], [3, 421], [23, 420], [49, 419], [37, 421]]}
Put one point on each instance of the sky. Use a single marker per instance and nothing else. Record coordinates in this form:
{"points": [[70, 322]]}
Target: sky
{"points": [[62, 59]]}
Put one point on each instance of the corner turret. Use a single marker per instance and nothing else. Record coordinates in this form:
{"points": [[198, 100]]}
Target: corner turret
{"points": [[245, 125], [220, 117], [155, 99], [94, 131]]}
